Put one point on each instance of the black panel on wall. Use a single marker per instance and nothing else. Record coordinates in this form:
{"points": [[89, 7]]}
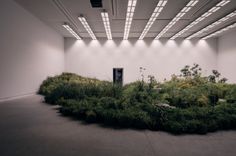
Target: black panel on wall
{"points": [[118, 75]]}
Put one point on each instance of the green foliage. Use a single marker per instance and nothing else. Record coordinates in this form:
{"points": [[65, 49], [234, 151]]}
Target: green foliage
{"points": [[188, 72], [190, 120], [201, 119], [231, 94], [197, 104], [191, 89], [52, 83], [215, 77]]}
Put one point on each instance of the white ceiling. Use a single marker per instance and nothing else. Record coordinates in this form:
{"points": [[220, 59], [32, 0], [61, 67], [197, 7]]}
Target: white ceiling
{"points": [[48, 12]]}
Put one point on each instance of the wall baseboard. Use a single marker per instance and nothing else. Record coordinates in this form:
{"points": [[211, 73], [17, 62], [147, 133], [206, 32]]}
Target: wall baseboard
{"points": [[3, 99]]}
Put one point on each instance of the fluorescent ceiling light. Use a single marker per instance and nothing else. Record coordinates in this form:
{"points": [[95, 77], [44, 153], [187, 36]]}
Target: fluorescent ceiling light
{"points": [[71, 31], [202, 17], [105, 19], [129, 17], [177, 18], [87, 27], [220, 21], [220, 31], [155, 14]]}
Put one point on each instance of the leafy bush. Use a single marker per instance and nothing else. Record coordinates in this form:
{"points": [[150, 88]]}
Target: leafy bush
{"points": [[52, 83], [231, 94], [196, 104], [190, 120], [191, 89]]}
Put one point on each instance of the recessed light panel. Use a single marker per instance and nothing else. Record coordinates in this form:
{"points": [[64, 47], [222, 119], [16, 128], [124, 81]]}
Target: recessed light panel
{"points": [[105, 19], [177, 18], [220, 31], [199, 19], [71, 31], [87, 27], [129, 17], [209, 27], [155, 14]]}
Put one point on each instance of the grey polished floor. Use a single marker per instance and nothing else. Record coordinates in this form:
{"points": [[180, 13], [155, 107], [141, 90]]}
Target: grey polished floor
{"points": [[29, 127]]}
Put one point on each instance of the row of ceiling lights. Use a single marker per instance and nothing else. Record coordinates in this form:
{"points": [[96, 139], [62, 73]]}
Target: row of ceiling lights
{"points": [[220, 31], [216, 23], [177, 17], [105, 19], [160, 5], [201, 18], [87, 27], [155, 14], [129, 17]]}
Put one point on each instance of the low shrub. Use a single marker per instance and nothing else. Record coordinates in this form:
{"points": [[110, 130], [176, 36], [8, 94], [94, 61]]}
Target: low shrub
{"points": [[52, 83], [190, 120], [231, 94], [188, 103]]}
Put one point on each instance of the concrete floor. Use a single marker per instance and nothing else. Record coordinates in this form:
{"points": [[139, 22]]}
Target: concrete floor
{"points": [[29, 127]]}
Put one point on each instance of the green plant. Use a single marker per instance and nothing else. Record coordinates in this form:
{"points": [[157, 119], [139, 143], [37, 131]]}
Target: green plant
{"points": [[231, 94], [201, 104]]}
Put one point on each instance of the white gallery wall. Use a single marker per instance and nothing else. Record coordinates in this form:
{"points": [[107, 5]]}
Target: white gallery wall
{"points": [[161, 59], [227, 56], [29, 51]]}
